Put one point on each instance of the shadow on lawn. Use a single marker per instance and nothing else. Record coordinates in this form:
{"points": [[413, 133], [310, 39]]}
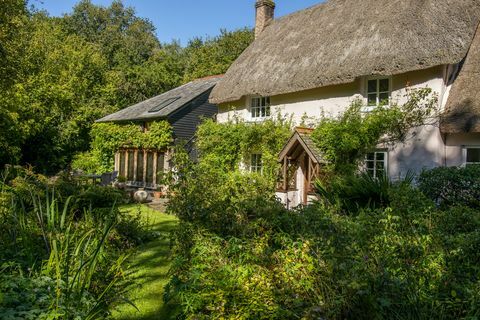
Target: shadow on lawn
{"points": [[149, 274]]}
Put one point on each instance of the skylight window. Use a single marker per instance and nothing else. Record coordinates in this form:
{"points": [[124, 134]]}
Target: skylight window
{"points": [[165, 103]]}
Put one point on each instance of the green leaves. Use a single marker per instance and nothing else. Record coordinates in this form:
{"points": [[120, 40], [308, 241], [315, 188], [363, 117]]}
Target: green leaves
{"points": [[346, 139], [107, 138]]}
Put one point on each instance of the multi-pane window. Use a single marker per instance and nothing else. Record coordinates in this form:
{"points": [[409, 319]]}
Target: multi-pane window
{"points": [[472, 156], [378, 92], [376, 163], [256, 162], [260, 107]]}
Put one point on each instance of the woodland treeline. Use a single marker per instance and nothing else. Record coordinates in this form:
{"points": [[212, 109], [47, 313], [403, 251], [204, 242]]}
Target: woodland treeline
{"points": [[59, 74]]}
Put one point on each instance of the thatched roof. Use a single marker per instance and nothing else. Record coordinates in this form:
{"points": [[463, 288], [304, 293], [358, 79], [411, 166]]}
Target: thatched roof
{"points": [[172, 101], [462, 113], [340, 40]]}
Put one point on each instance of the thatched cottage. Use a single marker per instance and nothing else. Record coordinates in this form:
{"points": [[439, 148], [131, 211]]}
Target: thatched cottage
{"points": [[318, 60], [184, 107]]}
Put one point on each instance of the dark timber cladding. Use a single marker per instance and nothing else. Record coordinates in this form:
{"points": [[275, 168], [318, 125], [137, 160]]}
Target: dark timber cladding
{"points": [[186, 120], [184, 108]]}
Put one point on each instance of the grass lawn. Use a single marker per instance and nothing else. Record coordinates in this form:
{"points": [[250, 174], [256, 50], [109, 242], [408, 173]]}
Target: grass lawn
{"points": [[150, 266]]}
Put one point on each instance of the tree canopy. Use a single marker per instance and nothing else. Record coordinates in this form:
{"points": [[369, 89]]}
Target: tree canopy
{"points": [[59, 74]]}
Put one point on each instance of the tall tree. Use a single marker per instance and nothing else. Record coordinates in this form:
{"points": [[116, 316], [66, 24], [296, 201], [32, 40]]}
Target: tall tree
{"points": [[214, 55]]}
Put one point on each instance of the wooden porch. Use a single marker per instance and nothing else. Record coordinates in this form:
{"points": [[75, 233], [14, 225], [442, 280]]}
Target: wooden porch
{"points": [[142, 168], [301, 165]]}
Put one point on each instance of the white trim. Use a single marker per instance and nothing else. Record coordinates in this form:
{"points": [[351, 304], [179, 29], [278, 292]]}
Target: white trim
{"points": [[375, 161], [464, 154], [365, 92], [258, 168], [268, 108]]}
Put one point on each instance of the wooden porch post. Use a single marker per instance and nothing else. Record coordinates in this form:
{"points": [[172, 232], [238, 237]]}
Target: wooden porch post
{"points": [[135, 164], [285, 174], [116, 166], [155, 166], [144, 166], [126, 164]]}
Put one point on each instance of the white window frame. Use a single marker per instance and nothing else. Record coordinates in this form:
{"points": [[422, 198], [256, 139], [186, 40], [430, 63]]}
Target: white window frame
{"points": [[465, 150], [367, 107], [262, 109], [257, 164], [385, 162]]}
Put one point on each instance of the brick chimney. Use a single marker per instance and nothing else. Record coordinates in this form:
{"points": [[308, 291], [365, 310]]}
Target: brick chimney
{"points": [[264, 15]]}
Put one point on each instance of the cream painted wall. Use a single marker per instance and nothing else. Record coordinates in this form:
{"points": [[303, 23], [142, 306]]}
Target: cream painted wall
{"points": [[426, 148]]}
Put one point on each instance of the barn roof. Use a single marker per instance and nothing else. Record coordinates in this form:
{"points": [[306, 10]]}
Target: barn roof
{"points": [[339, 40], [462, 112], [165, 104]]}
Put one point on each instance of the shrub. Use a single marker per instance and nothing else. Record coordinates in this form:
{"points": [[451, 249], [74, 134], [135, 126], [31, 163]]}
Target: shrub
{"points": [[401, 258], [351, 193], [345, 140], [54, 262], [452, 186]]}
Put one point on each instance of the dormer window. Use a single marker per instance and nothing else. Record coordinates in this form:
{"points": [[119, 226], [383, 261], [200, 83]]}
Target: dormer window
{"points": [[378, 92], [260, 107]]}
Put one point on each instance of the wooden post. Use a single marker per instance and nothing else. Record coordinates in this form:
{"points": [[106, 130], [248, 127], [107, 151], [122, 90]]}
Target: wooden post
{"points": [[135, 159], [126, 164], [155, 160], [145, 167], [116, 165], [285, 174]]}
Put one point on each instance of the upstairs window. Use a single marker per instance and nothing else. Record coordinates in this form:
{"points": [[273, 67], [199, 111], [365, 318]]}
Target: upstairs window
{"points": [[260, 107], [472, 156], [378, 92], [256, 162], [376, 163]]}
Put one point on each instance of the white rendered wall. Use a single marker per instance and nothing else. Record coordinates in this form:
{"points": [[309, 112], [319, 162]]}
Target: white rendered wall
{"points": [[425, 149]]}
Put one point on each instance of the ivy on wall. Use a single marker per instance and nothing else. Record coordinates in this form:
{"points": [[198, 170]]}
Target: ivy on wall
{"points": [[345, 140], [107, 138], [228, 146]]}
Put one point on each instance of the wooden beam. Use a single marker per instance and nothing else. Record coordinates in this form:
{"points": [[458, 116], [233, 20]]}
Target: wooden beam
{"points": [[155, 166], [144, 167], [135, 164], [126, 163], [285, 174]]}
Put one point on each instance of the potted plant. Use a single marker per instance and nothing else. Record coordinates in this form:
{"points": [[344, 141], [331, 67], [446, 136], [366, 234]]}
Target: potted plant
{"points": [[157, 194]]}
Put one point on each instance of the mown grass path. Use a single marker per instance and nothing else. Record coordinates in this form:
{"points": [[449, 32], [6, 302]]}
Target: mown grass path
{"points": [[150, 266]]}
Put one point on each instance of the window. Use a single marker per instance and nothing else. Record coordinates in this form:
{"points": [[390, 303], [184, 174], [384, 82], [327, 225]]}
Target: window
{"points": [[260, 107], [256, 162], [376, 163], [378, 92], [472, 156]]}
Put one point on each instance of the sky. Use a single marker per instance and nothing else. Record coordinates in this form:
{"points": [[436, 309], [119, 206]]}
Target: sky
{"points": [[185, 19]]}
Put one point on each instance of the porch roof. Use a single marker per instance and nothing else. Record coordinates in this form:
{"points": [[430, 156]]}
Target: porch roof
{"points": [[301, 140]]}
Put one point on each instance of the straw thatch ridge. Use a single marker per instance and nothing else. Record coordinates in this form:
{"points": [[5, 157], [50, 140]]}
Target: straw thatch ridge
{"points": [[462, 112], [340, 40]]}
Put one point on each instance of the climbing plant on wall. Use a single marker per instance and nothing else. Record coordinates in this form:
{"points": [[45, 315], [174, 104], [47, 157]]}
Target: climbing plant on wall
{"points": [[228, 146], [345, 140], [107, 138]]}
